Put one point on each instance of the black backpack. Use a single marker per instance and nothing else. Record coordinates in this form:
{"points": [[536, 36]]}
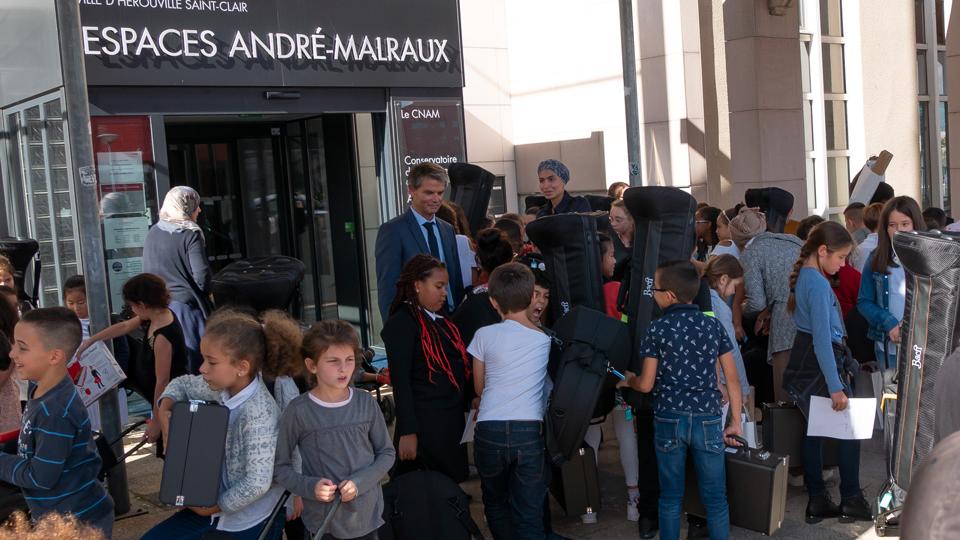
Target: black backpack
{"points": [[591, 342], [426, 505]]}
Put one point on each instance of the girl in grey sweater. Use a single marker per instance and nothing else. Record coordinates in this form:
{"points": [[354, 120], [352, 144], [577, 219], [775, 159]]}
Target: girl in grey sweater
{"points": [[341, 436]]}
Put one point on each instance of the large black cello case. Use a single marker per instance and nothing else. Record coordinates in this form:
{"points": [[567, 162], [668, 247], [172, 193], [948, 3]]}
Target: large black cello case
{"points": [[929, 333], [260, 283], [774, 202], [664, 231], [571, 253], [471, 187]]}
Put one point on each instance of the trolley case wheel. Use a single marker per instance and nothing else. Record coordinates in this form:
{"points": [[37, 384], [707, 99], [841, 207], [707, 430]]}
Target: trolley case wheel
{"points": [[931, 261]]}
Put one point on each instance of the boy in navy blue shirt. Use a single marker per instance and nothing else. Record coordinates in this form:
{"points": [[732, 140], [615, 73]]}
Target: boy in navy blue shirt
{"points": [[681, 351], [57, 462]]}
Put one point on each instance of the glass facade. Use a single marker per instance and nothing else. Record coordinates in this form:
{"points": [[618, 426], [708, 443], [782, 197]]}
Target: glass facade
{"points": [[41, 178]]}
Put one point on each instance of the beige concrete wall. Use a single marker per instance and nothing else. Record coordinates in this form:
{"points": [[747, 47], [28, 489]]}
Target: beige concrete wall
{"points": [[671, 94], [889, 68], [763, 82]]}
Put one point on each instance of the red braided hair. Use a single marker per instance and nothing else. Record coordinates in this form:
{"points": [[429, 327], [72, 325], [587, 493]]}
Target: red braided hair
{"points": [[419, 268]]}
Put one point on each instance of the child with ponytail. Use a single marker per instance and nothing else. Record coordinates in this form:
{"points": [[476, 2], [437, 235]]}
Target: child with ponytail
{"points": [[430, 372], [234, 349], [340, 434], [820, 365], [724, 275]]}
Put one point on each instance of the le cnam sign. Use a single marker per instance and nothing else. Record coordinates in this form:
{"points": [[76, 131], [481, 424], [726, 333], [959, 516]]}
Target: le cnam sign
{"points": [[374, 43]]}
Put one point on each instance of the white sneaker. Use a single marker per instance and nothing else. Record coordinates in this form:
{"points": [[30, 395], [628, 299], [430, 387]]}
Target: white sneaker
{"points": [[632, 513], [589, 518]]}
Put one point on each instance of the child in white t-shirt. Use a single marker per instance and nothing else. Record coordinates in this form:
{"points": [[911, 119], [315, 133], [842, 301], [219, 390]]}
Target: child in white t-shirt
{"points": [[509, 373]]}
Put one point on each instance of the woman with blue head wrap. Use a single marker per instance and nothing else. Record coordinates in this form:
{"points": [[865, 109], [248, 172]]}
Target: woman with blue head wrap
{"points": [[553, 177]]}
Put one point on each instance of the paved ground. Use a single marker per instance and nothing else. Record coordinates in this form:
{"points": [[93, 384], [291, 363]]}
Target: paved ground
{"points": [[144, 477]]}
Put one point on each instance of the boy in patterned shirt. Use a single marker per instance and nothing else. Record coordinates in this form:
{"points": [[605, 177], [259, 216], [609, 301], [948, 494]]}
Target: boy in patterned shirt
{"points": [[681, 352]]}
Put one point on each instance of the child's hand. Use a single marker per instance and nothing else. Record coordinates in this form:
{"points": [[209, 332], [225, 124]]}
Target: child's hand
{"points": [[324, 490], [153, 432], [628, 377], [348, 490], [733, 431], [83, 347], [407, 447], [297, 508]]}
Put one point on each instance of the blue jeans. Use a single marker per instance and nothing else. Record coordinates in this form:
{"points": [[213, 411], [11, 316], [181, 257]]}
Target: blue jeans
{"points": [[848, 458], [186, 525], [702, 434], [511, 459]]}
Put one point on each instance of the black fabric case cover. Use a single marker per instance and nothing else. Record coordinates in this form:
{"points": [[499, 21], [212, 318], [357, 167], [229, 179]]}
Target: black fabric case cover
{"points": [[471, 187], [590, 342], [928, 335], [571, 253], [664, 231], [260, 283]]}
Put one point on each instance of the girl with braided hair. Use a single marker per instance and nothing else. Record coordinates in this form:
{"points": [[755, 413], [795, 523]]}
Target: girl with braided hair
{"points": [[430, 372], [821, 365]]}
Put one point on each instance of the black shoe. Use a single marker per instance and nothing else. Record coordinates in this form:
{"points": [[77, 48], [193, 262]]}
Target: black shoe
{"points": [[855, 509], [697, 528], [820, 507], [648, 527]]}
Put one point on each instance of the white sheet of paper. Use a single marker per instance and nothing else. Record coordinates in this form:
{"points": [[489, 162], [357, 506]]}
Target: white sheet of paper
{"points": [[853, 423], [471, 425]]}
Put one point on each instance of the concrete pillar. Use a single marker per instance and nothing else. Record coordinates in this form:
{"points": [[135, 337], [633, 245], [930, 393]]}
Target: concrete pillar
{"points": [[953, 114], [671, 95], [765, 100]]}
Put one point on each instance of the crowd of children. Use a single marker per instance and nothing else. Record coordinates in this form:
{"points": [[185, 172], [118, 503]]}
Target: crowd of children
{"points": [[324, 440]]}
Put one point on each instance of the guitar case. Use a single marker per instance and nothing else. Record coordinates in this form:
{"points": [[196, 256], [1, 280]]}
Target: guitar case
{"points": [[774, 202], [260, 283], [24, 255], [470, 187], [590, 344], [571, 253], [929, 333], [664, 231]]}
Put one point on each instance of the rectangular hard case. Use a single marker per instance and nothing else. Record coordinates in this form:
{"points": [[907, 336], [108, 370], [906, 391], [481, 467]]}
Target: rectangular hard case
{"points": [[756, 489], [194, 454], [576, 485]]}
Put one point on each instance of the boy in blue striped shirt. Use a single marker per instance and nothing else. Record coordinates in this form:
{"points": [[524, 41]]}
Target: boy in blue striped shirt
{"points": [[57, 462]]}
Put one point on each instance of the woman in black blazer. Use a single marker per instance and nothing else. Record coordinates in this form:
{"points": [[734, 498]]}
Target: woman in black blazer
{"points": [[429, 371]]}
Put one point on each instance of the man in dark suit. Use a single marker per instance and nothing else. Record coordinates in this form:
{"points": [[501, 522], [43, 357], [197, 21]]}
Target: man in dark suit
{"points": [[418, 230]]}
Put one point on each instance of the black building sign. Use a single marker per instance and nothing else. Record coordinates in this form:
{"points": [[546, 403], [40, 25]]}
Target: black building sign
{"points": [[428, 130], [373, 43]]}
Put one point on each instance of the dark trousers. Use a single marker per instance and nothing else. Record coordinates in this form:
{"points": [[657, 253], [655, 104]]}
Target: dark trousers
{"points": [[648, 502], [187, 525], [848, 458], [510, 458], [370, 536]]}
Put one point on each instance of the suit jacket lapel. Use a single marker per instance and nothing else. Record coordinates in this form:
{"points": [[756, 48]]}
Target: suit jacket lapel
{"points": [[416, 232]]}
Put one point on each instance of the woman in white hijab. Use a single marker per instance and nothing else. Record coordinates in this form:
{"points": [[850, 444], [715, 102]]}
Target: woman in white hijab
{"points": [[174, 250]]}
